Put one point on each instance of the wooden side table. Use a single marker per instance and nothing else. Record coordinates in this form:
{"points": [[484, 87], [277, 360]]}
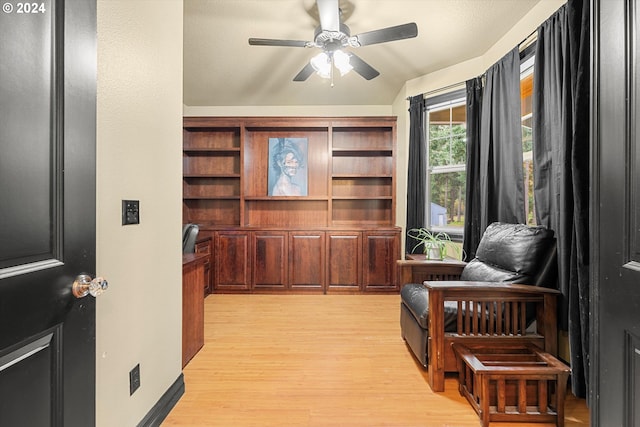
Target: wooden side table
{"points": [[512, 383]]}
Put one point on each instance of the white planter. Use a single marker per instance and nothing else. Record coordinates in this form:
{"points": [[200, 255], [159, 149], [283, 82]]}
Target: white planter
{"points": [[433, 251]]}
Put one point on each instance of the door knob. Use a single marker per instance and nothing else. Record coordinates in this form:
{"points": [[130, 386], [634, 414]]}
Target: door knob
{"points": [[84, 285]]}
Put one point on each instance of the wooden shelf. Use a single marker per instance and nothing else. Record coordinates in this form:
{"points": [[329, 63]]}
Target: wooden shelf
{"points": [[211, 150], [285, 198], [366, 152], [211, 197], [359, 176], [211, 175], [362, 198], [377, 211]]}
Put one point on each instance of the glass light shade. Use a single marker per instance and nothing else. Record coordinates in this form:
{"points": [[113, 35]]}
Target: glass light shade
{"points": [[341, 61], [322, 64]]}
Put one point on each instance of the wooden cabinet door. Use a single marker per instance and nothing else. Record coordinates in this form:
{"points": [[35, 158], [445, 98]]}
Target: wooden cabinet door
{"points": [[381, 251], [270, 260], [307, 261], [344, 266], [232, 261]]}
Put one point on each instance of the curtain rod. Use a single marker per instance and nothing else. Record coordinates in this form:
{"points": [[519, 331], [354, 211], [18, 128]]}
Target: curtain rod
{"points": [[431, 92], [525, 43], [528, 41]]}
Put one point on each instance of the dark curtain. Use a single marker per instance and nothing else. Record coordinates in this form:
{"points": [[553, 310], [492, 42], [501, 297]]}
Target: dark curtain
{"points": [[472, 232], [561, 166], [417, 168], [501, 176]]}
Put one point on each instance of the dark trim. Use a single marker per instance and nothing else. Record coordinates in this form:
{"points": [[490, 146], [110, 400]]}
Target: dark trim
{"points": [[161, 409], [594, 219], [631, 375], [57, 132]]}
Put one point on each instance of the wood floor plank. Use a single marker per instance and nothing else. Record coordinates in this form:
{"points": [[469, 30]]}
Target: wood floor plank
{"points": [[316, 361]]}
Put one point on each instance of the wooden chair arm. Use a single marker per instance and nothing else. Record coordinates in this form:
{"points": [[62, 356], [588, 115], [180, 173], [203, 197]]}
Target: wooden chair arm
{"points": [[417, 271], [454, 287]]}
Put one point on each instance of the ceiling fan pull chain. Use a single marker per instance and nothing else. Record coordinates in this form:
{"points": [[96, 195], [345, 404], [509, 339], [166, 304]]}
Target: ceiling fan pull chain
{"points": [[332, 67]]}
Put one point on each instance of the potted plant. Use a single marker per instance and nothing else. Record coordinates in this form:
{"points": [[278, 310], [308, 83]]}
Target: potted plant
{"points": [[434, 243]]}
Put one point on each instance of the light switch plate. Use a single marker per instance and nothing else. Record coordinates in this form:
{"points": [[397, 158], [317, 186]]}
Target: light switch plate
{"points": [[130, 212]]}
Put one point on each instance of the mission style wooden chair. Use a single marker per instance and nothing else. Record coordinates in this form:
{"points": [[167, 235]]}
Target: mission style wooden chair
{"points": [[499, 297]]}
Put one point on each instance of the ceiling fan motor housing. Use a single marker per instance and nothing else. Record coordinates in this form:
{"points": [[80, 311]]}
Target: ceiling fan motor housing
{"points": [[332, 40]]}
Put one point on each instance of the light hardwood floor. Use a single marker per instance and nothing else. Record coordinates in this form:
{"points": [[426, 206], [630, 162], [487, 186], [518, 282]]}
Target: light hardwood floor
{"points": [[317, 361]]}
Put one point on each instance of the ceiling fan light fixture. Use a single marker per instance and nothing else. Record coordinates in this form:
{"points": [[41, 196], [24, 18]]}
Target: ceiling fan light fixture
{"points": [[341, 61], [322, 64]]}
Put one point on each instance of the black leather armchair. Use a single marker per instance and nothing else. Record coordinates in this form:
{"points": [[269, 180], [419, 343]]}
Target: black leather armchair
{"points": [[507, 253]]}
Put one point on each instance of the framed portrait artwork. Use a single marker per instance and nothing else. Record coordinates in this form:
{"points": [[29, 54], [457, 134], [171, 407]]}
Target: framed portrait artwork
{"points": [[287, 174]]}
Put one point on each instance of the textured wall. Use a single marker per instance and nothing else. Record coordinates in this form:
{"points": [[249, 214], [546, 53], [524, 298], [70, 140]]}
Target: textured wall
{"points": [[139, 143]]}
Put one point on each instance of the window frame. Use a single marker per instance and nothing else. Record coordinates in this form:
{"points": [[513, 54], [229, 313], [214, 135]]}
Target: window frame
{"points": [[527, 64], [449, 100]]}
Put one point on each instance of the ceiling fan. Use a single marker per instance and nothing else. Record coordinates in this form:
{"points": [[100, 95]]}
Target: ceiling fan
{"points": [[332, 36]]}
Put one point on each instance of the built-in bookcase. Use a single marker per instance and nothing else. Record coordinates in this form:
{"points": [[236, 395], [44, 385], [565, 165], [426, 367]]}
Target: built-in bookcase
{"points": [[363, 167], [212, 175], [350, 202], [350, 166]]}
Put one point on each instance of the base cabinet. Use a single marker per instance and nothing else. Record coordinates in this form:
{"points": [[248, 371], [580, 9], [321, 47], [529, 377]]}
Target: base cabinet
{"points": [[307, 261], [232, 260], [270, 260], [381, 250], [344, 266], [323, 261]]}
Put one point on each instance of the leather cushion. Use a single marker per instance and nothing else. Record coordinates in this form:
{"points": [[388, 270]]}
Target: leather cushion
{"points": [[479, 271], [416, 298], [510, 252]]}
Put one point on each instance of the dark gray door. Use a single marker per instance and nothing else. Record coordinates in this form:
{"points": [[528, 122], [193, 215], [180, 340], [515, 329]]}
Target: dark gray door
{"points": [[47, 212], [615, 355]]}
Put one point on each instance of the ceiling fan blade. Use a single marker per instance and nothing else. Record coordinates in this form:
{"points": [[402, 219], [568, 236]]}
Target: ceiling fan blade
{"points": [[329, 15], [277, 42], [304, 73], [362, 68], [399, 32]]}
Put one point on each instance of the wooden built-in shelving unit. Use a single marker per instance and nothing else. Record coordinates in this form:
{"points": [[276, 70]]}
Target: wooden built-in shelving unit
{"points": [[350, 170]]}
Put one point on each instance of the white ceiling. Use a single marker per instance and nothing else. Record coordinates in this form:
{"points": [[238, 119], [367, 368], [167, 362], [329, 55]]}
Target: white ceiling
{"points": [[221, 69]]}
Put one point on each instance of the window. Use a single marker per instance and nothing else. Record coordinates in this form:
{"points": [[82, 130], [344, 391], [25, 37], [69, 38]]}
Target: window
{"points": [[526, 114], [446, 124], [446, 153]]}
